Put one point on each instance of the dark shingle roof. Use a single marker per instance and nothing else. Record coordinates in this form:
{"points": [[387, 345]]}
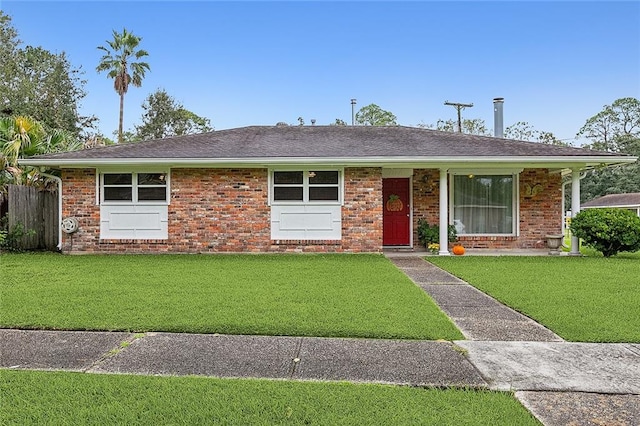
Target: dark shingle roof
{"points": [[615, 200], [325, 141]]}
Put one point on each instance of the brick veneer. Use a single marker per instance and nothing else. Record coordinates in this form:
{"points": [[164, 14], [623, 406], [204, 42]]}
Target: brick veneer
{"points": [[540, 214], [224, 210]]}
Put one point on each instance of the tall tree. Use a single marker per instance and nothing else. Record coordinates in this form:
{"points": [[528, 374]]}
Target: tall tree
{"points": [[8, 64], [164, 117], [37, 83], [373, 115], [617, 129], [122, 62]]}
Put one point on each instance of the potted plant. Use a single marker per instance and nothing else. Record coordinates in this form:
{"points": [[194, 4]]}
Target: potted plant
{"points": [[429, 235]]}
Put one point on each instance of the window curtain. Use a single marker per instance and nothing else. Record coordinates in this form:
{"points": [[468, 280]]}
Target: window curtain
{"points": [[483, 204]]}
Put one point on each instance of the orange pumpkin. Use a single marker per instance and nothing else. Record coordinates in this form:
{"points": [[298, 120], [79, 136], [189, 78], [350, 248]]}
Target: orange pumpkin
{"points": [[458, 250]]}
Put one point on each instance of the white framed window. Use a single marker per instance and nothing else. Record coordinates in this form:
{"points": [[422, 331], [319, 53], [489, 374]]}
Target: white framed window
{"points": [[485, 204], [134, 187], [133, 205], [306, 186], [306, 204]]}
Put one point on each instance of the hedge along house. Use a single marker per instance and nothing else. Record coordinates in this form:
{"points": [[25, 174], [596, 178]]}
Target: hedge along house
{"points": [[314, 189]]}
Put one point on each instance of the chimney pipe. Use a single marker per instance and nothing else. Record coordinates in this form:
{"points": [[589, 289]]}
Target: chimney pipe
{"points": [[498, 123]]}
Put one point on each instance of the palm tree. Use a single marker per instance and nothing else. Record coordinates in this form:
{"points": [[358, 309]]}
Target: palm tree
{"points": [[118, 61], [20, 137], [23, 136]]}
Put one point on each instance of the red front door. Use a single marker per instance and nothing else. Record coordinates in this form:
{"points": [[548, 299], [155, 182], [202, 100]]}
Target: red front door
{"points": [[395, 217]]}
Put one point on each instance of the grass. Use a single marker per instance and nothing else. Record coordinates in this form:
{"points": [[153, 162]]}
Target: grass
{"points": [[582, 299], [36, 397], [296, 295]]}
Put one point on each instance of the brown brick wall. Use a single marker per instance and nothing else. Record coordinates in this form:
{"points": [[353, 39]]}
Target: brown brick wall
{"points": [[79, 201], [540, 211], [426, 199], [225, 210], [362, 210]]}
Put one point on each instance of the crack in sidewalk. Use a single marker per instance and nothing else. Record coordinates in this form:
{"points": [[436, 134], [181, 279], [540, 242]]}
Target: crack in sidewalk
{"points": [[115, 351]]}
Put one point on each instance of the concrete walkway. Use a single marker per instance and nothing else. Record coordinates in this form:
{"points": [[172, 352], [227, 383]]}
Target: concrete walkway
{"points": [[559, 382], [478, 316]]}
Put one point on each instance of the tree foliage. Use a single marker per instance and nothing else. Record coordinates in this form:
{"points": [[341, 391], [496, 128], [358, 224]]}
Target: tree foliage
{"points": [[476, 126], [165, 117], [373, 115], [523, 131], [609, 231], [121, 61], [24, 136], [37, 83], [473, 126], [616, 129]]}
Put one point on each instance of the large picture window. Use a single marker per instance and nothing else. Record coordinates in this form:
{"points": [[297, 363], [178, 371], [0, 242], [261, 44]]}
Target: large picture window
{"points": [[134, 187], [306, 186], [484, 204]]}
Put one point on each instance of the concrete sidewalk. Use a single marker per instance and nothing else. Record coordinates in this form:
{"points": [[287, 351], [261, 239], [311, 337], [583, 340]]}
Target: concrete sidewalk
{"points": [[417, 363], [559, 382]]}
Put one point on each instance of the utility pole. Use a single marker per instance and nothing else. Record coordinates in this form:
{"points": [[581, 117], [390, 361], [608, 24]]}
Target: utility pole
{"points": [[353, 112], [459, 107]]}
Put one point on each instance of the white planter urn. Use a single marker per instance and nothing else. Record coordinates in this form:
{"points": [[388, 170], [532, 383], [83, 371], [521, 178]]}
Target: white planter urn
{"points": [[554, 242]]}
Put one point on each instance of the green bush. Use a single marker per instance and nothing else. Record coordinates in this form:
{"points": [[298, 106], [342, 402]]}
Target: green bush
{"points": [[609, 231], [428, 234], [10, 238]]}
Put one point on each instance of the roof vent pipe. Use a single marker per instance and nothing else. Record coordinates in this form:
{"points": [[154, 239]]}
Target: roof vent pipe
{"points": [[313, 121], [498, 122]]}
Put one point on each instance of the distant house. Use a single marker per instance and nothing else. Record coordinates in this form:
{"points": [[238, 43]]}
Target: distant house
{"points": [[314, 189], [629, 201]]}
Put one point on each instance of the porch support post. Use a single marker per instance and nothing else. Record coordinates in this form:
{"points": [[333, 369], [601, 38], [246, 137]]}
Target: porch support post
{"points": [[575, 209], [444, 217]]}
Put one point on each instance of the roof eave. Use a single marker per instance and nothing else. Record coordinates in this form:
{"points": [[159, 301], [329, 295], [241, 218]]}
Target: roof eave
{"points": [[382, 161]]}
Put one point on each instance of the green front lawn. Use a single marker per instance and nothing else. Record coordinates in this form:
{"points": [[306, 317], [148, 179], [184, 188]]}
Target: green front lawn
{"points": [[36, 397], [296, 295], [582, 299]]}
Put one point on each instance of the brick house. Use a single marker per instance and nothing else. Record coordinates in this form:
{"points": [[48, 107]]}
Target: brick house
{"points": [[314, 189]]}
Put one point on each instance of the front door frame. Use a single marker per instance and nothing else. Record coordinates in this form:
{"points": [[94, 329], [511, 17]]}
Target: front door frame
{"points": [[407, 174]]}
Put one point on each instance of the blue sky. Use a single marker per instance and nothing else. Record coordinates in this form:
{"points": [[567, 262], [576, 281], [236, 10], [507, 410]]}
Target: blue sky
{"points": [[245, 63]]}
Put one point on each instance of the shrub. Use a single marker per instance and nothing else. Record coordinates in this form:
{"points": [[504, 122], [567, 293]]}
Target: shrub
{"points": [[10, 238], [430, 234], [609, 231]]}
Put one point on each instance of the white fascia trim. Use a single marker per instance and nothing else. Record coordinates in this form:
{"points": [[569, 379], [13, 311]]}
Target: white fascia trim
{"points": [[619, 206], [435, 162]]}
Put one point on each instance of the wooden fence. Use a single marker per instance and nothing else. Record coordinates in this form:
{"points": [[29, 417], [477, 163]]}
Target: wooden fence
{"points": [[34, 210]]}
